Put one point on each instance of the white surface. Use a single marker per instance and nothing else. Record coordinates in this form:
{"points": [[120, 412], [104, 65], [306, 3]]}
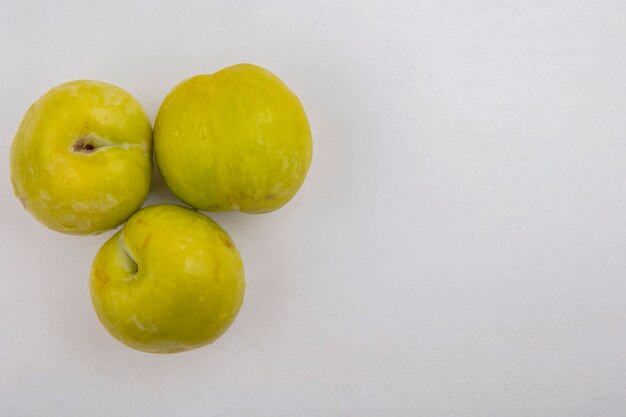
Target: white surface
{"points": [[458, 248]]}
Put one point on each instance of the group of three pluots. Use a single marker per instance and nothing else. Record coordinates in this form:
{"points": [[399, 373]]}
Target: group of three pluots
{"points": [[171, 279]]}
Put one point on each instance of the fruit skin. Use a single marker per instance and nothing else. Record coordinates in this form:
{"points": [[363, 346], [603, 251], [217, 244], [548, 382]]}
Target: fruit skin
{"points": [[171, 280], [65, 184], [236, 139]]}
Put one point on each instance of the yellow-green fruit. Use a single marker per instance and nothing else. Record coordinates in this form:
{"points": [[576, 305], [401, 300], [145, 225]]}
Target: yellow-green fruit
{"points": [[81, 159], [171, 280], [237, 139]]}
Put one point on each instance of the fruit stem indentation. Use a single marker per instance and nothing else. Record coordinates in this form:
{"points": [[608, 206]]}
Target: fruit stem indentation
{"points": [[133, 267], [83, 144]]}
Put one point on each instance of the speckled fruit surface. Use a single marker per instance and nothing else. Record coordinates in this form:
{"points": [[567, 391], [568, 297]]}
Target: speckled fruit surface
{"points": [[171, 280], [81, 158], [238, 139]]}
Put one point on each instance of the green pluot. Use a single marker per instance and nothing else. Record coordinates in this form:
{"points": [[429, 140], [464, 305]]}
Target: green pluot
{"points": [[171, 280], [81, 160], [238, 139]]}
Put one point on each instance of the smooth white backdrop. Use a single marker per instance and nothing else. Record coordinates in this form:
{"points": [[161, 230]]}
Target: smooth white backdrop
{"points": [[458, 248]]}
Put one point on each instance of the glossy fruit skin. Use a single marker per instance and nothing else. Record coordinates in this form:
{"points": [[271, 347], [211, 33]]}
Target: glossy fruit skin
{"points": [[81, 158], [237, 139], [171, 280]]}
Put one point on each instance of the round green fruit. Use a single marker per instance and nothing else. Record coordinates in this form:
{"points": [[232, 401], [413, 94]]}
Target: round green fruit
{"points": [[171, 280], [81, 159], [237, 139]]}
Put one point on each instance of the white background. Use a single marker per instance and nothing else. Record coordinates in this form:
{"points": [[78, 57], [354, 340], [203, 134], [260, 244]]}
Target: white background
{"points": [[458, 247]]}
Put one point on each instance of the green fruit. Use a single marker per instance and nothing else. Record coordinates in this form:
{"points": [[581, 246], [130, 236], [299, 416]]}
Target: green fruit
{"points": [[236, 139], [171, 280], [81, 159]]}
